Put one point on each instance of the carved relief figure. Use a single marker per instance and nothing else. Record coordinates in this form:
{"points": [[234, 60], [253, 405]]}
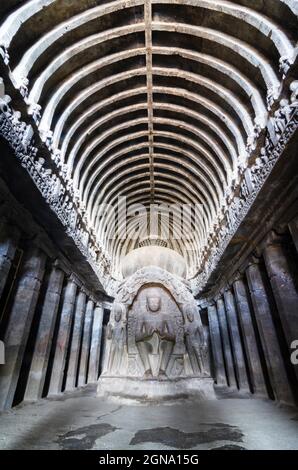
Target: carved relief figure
{"points": [[116, 333], [155, 331], [195, 341], [155, 334]]}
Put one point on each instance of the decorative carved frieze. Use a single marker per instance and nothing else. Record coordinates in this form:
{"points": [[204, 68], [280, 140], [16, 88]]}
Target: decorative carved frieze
{"points": [[52, 186], [280, 129]]}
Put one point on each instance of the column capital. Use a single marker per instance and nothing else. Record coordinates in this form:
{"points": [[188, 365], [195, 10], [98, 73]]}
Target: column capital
{"points": [[74, 279], [91, 298], [202, 303], [59, 264], [227, 288], [253, 261], [99, 305], [83, 291], [220, 297], [238, 276], [274, 238]]}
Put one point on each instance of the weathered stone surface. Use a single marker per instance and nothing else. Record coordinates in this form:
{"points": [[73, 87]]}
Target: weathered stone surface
{"points": [[200, 388], [95, 348], [105, 113], [19, 325], [222, 320], [274, 360], [284, 290], [155, 329], [249, 339], [216, 344], [39, 364], [86, 342], [63, 338], [236, 340], [169, 103], [9, 237], [75, 341]]}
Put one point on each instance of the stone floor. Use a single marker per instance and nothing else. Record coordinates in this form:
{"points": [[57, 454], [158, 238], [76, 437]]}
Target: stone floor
{"points": [[84, 421]]}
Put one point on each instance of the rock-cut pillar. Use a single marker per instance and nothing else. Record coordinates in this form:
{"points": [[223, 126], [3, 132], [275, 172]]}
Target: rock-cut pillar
{"points": [[75, 342], [39, 364], [56, 380], [86, 341], [19, 324], [226, 343], [284, 290], [95, 348], [9, 237], [236, 340], [275, 364], [249, 338], [216, 345]]}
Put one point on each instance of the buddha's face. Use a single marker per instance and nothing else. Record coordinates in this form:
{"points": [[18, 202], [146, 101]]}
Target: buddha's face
{"points": [[153, 301], [190, 316], [117, 312], [117, 316]]}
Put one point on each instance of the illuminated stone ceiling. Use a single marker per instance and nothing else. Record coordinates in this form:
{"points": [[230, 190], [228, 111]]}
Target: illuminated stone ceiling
{"points": [[162, 102]]}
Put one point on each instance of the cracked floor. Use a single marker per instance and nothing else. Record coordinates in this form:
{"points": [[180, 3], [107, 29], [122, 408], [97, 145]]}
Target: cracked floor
{"points": [[84, 421]]}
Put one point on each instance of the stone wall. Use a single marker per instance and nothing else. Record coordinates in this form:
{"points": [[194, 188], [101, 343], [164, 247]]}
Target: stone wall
{"points": [[50, 319], [253, 321]]}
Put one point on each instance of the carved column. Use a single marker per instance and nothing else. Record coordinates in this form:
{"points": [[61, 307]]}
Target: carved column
{"points": [[226, 343], [215, 337], [249, 338], [86, 344], [284, 289], [9, 237], [274, 360], [63, 337], [44, 338], [75, 342], [95, 344], [19, 324], [236, 340]]}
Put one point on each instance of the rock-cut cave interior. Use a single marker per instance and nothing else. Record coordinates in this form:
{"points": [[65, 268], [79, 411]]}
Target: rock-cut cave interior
{"points": [[148, 224]]}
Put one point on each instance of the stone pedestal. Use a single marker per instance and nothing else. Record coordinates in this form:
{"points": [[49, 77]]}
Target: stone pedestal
{"points": [[128, 388]]}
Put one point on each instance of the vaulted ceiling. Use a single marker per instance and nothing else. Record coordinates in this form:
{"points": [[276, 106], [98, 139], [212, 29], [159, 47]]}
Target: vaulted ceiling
{"points": [[158, 101]]}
